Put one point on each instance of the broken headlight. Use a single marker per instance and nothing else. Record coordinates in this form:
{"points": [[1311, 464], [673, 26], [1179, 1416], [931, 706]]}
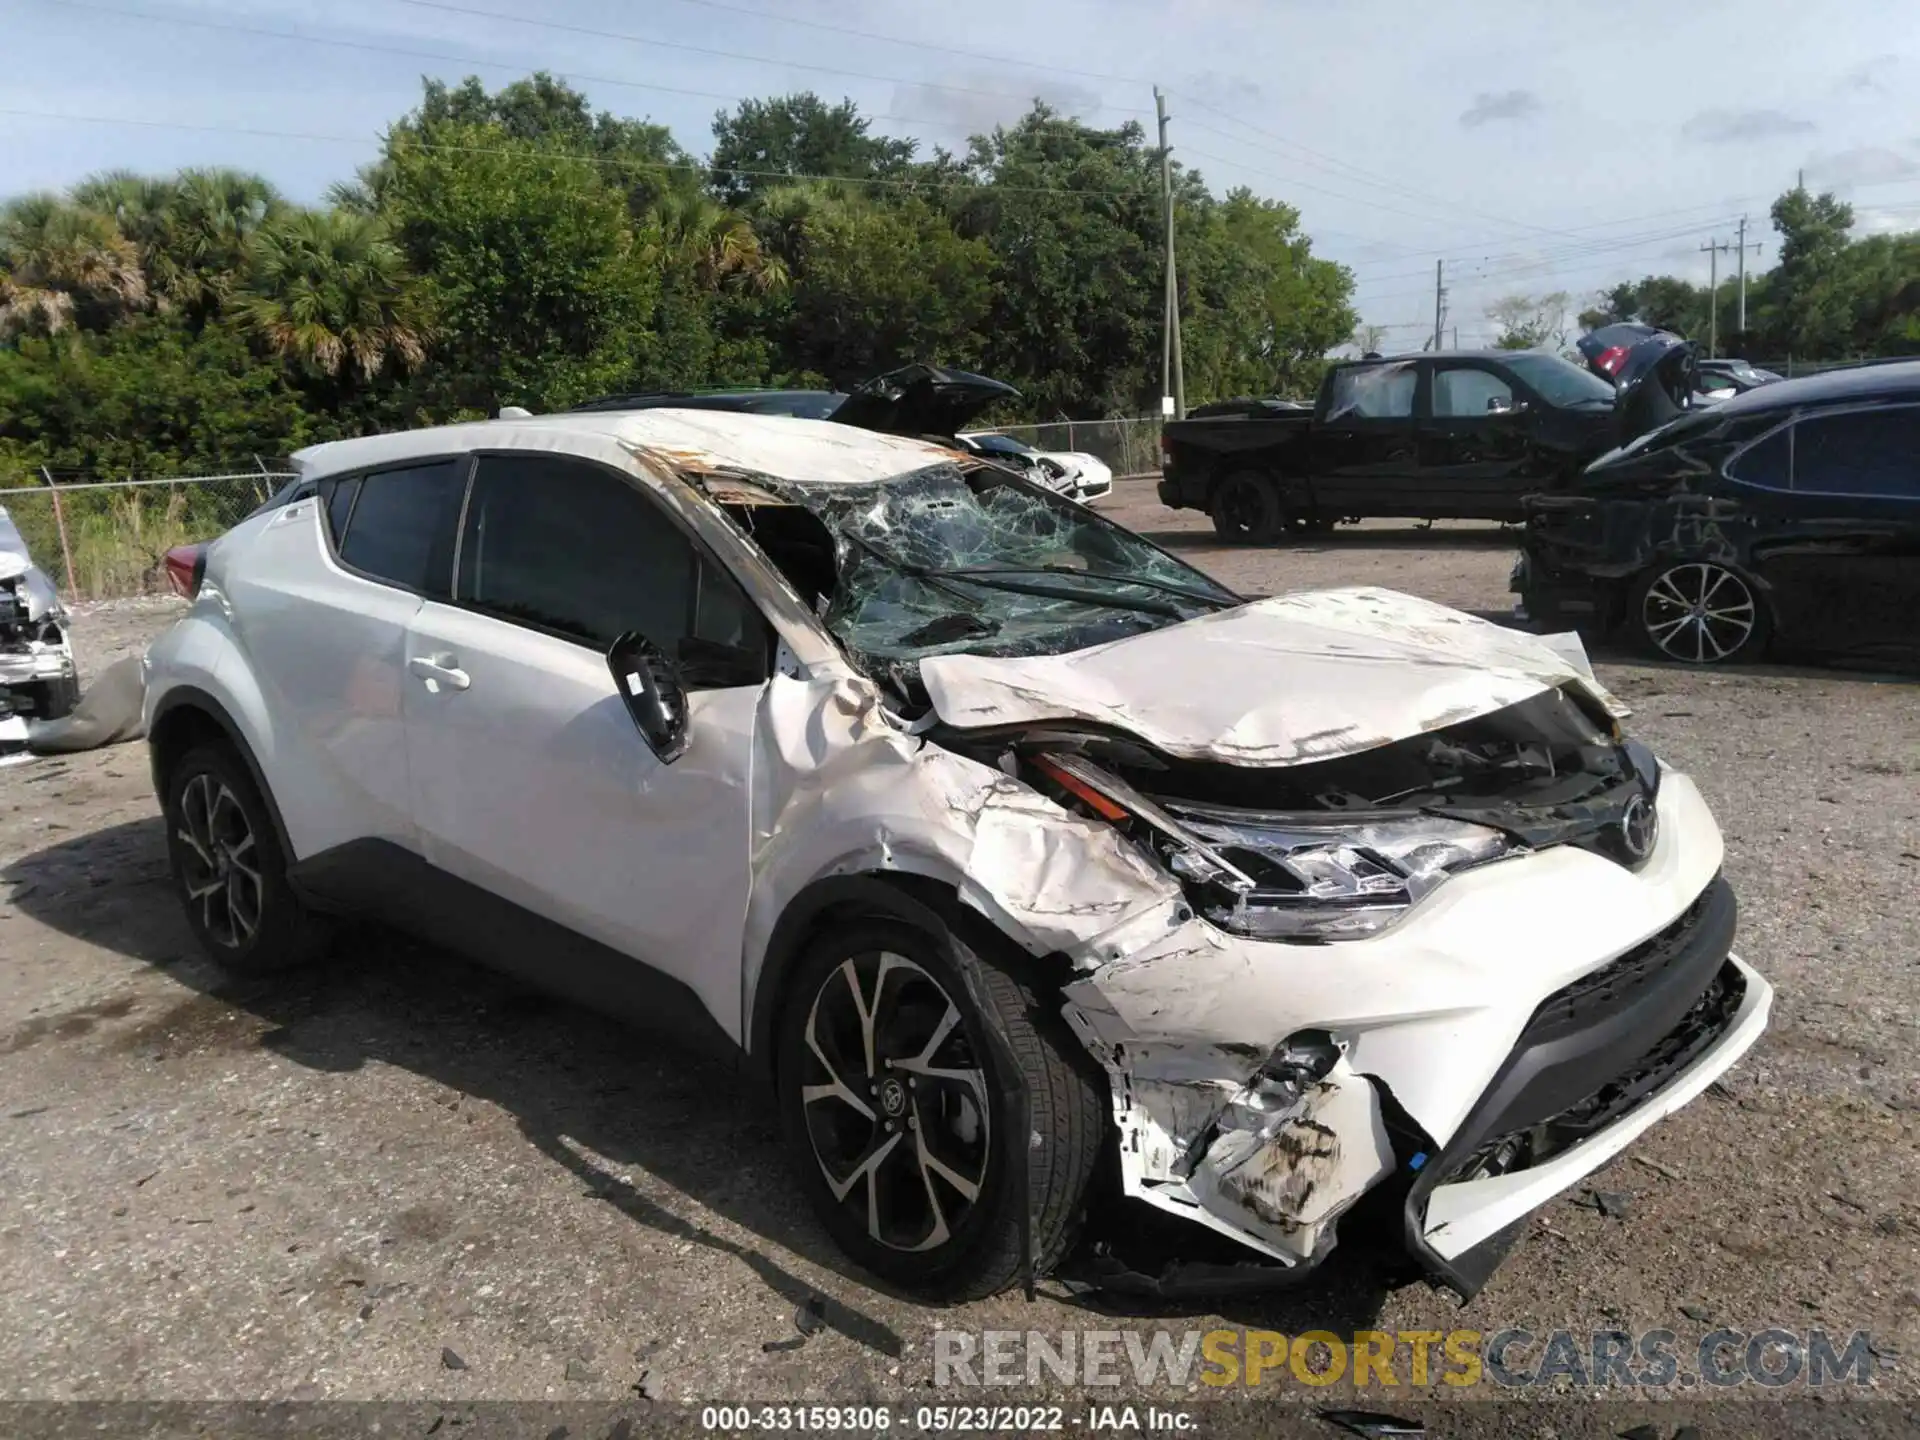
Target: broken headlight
{"points": [[1290, 877]]}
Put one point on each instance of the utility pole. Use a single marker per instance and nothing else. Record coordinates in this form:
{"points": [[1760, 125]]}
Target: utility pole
{"points": [[1744, 247], [1173, 375], [1439, 302], [1713, 248]]}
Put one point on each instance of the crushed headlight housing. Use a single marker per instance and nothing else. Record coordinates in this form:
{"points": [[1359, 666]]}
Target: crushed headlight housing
{"points": [[1288, 876]]}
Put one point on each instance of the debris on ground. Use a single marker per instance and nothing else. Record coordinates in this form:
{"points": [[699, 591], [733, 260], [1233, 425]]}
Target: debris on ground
{"points": [[451, 1359]]}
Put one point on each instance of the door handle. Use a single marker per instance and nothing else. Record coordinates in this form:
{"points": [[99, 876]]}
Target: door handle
{"points": [[438, 670]]}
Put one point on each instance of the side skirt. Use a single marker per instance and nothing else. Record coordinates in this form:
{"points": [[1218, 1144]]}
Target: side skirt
{"points": [[391, 884]]}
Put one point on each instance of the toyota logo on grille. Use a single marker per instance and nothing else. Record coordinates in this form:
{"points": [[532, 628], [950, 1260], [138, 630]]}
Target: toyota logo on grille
{"points": [[1639, 827]]}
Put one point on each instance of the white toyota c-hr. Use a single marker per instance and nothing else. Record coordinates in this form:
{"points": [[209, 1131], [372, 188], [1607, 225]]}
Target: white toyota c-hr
{"points": [[993, 836]]}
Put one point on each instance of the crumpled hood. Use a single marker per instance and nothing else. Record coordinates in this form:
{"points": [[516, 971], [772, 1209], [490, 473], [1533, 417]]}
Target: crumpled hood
{"points": [[1275, 682]]}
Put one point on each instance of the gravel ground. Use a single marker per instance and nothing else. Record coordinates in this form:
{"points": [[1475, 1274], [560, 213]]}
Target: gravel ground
{"points": [[399, 1178]]}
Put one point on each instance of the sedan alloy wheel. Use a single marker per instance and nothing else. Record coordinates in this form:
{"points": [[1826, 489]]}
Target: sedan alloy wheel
{"points": [[1700, 613]]}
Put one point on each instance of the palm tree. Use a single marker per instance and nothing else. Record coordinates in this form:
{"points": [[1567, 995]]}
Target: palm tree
{"points": [[694, 233], [61, 262], [329, 290], [192, 229]]}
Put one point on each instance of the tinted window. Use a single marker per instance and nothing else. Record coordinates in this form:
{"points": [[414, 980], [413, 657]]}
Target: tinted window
{"points": [[1768, 464], [1458, 393], [1859, 452], [402, 526], [1375, 392], [572, 549]]}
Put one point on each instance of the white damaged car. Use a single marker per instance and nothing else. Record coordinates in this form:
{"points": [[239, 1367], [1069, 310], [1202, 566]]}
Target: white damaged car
{"points": [[38, 680], [1002, 843]]}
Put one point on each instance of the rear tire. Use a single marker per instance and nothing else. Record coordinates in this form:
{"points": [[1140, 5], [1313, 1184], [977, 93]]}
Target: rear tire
{"points": [[907, 1158], [1246, 509], [229, 868]]}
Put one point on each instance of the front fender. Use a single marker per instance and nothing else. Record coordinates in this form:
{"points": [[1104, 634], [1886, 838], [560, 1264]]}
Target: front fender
{"points": [[842, 790]]}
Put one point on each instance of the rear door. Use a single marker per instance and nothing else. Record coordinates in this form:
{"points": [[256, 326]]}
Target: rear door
{"points": [[529, 778], [322, 607], [1365, 448], [1475, 442], [1845, 563]]}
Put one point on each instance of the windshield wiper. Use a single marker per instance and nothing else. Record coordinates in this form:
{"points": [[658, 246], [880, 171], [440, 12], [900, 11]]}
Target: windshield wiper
{"points": [[1218, 602], [987, 578]]}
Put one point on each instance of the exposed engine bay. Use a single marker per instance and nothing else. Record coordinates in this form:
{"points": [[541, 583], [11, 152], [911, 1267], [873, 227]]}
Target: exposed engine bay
{"points": [[38, 680], [1340, 847]]}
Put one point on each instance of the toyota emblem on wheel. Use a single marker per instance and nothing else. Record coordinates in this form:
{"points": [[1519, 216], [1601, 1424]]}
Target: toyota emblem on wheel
{"points": [[1639, 826]]}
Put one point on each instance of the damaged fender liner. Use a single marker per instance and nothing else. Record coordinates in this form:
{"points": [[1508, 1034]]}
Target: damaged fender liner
{"points": [[1555, 1072]]}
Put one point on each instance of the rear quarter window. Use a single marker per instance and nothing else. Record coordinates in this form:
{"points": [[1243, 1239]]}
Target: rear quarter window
{"points": [[1870, 454], [401, 525]]}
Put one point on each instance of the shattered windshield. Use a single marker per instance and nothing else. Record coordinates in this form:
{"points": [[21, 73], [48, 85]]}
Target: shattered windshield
{"points": [[941, 561]]}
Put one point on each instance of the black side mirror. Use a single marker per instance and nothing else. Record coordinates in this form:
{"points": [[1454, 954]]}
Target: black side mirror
{"points": [[649, 684]]}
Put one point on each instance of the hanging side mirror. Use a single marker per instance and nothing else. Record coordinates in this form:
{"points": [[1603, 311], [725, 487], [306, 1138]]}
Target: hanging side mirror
{"points": [[650, 686]]}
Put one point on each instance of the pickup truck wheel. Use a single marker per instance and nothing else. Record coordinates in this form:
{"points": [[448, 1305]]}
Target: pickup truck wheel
{"points": [[1246, 508]]}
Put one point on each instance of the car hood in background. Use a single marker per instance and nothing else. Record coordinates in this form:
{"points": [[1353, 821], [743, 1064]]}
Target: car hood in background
{"points": [[921, 400], [1282, 681]]}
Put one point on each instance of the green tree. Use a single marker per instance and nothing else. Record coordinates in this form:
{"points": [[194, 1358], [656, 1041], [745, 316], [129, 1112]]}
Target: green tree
{"points": [[329, 292], [151, 397], [62, 264], [872, 285], [1531, 322], [1072, 218], [532, 272], [798, 135], [1260, 310], [192, 229]]}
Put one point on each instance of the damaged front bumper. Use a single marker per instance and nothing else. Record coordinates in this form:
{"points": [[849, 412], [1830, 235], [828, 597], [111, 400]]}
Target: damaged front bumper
{"points": [[1519, 1028]]}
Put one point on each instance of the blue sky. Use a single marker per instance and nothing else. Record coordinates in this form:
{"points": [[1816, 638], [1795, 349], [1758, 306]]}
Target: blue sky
{"points": [[1534, 147]]}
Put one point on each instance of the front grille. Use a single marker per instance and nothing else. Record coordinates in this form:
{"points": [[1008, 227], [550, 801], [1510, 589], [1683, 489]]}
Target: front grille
{"points": [[1513, 1150], [1677, 1049], [1611, 988]]}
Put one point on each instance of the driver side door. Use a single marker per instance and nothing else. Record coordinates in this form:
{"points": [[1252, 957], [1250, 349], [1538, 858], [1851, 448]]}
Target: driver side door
{"points": [[1474, 444], [529, 778]]}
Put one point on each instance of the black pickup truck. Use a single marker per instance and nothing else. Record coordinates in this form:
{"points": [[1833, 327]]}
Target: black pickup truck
{"points": [[1456, 436]]}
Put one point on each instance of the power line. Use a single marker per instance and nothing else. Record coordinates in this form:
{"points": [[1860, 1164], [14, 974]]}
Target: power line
{"points": [[717, 53], [1522, 260], [1356, 172], [461, 60], [619, 162], [1304, 184], [902, 40]]}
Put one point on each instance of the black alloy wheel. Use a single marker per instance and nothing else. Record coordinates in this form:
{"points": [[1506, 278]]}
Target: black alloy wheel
{"points": [[895, 1099], [230, 869]]}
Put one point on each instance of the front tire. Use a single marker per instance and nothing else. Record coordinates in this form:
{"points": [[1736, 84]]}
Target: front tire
{"points": [[1699, 612], [894, 1106], [229, 868], [1246, 509]]}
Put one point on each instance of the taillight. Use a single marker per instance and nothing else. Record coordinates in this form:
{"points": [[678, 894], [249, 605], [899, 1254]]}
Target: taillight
{"points": [[1612, 358], [1166, 452], [186, 566]]}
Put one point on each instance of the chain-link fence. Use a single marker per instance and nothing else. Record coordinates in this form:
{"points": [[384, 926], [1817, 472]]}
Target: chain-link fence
{"points": [[99, 540], [1127, 446]]}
